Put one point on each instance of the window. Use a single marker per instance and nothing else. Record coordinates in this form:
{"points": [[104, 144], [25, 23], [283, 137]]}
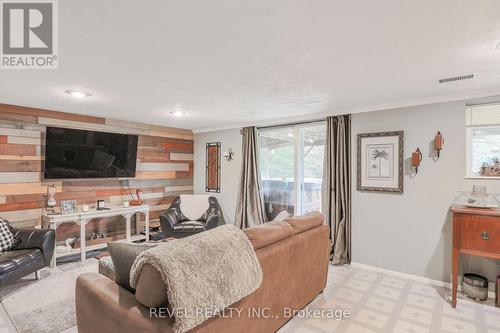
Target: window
{"points": [[483, 140], [291, 164]]}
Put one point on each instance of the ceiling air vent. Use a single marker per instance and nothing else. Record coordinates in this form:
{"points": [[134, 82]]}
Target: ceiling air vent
{"points": [[456, 78]]}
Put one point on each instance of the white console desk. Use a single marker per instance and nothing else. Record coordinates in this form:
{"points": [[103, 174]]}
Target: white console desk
{"points": [[82, 218]]}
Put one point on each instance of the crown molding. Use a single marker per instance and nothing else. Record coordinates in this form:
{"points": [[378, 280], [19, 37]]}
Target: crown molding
{"points": [[465, 97]]}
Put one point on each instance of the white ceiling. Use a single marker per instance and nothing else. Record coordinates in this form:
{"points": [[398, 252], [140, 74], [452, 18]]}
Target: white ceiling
{"points": [[285, 59]]}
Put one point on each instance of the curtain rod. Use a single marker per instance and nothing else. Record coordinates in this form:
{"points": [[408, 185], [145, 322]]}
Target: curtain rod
{"points": [[292, 124]]}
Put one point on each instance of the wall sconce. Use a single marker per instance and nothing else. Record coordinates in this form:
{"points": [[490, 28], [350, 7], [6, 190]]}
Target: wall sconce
{"points": [[416, 158], [438, 142], [229, 154]]}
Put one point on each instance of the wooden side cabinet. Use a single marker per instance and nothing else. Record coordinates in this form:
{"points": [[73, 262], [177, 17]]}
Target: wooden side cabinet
{"points": [[476, 232]]}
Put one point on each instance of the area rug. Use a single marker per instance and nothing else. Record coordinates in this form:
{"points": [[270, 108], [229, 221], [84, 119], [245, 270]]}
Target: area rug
{"points": [[48, 304]]}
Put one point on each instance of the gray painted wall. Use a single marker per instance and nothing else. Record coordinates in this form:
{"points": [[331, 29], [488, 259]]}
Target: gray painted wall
{"points": [[230, 170], [411, 232]]}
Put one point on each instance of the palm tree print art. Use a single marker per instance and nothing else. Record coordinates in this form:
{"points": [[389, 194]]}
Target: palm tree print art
{"points": [[380, 154]]}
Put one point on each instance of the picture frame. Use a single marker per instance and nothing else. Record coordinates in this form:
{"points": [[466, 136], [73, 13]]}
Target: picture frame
{"points": [[380, 166], [213, 168], [68, 206]]}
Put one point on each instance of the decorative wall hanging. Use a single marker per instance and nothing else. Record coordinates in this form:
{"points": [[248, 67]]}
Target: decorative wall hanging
{"points": [[213, 167], [416, 158], [438, 143], [380, 162]]}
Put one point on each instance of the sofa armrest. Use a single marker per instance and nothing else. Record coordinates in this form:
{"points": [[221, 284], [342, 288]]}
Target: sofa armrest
{"points": [[104, 306], [168, 220], [43, 239]]}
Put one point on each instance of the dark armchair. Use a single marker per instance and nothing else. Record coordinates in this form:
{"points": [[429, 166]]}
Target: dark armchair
{"points": [[175, 224], [34, 251]]}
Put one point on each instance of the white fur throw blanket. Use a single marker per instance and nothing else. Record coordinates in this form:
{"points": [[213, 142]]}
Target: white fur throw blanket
{"points": [[203, 273]]}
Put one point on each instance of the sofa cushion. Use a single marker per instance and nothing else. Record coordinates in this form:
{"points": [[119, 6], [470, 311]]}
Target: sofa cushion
{"points": [[305, 222], [268, 233], [282, 215], [123, 255], [150, 289], [12, 260]]}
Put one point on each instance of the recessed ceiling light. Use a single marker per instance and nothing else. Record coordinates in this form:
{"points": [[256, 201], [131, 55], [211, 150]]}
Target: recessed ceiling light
{"points": [[178, 113], [290, 135], [498, 46], [78, 94]]}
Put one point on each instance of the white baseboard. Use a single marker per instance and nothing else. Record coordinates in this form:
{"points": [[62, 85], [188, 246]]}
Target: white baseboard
{"points": [[491, 294]]}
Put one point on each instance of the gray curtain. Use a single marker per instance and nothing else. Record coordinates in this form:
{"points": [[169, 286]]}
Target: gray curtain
{"points": [[336, 190], [250, 203]]}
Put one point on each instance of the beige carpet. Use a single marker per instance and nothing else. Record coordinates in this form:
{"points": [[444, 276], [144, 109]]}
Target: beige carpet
{"points": [[46, 305]]}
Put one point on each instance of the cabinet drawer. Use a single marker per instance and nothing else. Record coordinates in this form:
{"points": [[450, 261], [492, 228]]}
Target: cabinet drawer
{"points": [[480, 233]]}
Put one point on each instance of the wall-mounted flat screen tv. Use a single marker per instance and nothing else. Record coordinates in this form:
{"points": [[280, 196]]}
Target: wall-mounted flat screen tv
{"points": [[72, 153]]}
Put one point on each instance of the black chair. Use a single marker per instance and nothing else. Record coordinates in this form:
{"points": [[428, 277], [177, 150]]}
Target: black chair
{"points": [[175, 224], [34, 252]]}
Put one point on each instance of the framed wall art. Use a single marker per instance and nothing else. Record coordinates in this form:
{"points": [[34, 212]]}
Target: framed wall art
{"points": [[213, 167], [380, 162]]}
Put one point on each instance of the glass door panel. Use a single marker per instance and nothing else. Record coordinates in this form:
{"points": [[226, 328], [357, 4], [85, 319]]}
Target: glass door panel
{"points": [[313, 149], [277, 164], [291, 163]]}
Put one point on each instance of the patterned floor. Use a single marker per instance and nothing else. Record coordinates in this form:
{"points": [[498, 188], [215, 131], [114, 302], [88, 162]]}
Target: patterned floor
{"points": [[378, 303], [384, 303]]}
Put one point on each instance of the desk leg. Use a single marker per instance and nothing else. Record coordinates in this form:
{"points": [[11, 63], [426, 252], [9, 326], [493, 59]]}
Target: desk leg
{"points": [[454, 279], [128, 232], [83, 251], [454, 276], [146, 220], [53, 260]]}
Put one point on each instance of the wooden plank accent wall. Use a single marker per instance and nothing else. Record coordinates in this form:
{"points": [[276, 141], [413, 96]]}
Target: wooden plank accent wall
{"points": [[164, 168]]}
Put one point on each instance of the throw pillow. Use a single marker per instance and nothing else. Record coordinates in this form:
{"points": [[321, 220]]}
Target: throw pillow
{"points": [[7, 239], [282, 215], [123, 255]]}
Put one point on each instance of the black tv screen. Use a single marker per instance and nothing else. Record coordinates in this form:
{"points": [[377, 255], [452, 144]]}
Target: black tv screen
{"points": [[71, 153]]}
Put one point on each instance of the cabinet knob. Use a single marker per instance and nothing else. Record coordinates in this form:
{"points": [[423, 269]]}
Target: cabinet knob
{"points": [[484, 235]]}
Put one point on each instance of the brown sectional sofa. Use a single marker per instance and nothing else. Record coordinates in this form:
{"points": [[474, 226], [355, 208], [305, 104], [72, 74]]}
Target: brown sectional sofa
{"points": [[294, 256]]}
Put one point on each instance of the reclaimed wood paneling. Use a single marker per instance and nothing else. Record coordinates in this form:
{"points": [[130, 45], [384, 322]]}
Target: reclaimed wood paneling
{"points": [[26, 188], [25, 133], [17, 149], [164, 169], [35, 112], [20, 177], [21, 157], [20, 165], [18, 117], [23, 140], [181, 157]]}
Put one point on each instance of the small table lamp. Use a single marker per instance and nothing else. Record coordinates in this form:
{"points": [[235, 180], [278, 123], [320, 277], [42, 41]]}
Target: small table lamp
{"points": [[51, 201]]}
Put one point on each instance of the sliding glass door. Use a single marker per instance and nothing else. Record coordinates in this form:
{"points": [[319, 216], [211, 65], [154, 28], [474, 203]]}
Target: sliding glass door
{"points": [[291, 163]]}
